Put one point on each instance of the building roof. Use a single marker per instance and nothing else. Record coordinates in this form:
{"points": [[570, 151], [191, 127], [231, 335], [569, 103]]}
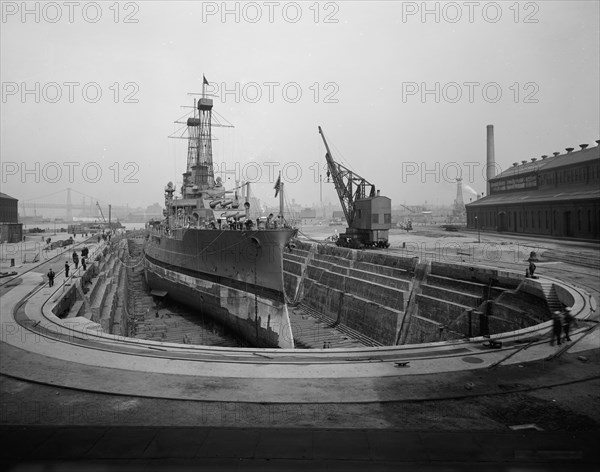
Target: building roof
{"points": [[552, 162], [544, 196], [7, 197], [308, 213]]}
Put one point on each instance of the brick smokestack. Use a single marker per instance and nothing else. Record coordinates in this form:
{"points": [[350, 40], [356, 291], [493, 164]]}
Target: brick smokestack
{"points": [[491, 158]]}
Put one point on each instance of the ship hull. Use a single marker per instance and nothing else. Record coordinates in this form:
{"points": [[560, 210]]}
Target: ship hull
{"points": [[236, 277]]}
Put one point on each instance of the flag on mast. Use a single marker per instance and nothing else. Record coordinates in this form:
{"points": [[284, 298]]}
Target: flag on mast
{"points": [[277, 185], [204, 84]]}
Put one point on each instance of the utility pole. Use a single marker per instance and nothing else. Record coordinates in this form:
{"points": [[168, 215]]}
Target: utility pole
{"points": [[321, 189]]}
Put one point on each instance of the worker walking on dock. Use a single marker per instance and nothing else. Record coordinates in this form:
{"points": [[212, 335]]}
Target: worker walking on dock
{"points": [[67, 267], [51, 276], [556, 327]]}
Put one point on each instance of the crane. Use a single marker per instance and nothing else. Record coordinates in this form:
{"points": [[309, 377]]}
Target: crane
{"points": [[407, 224], [367, 213], [101, 214], [408, 208], [108, 223]]}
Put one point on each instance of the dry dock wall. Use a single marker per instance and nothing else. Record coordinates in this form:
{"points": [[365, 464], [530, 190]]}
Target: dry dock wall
{"points": [[97, 292], [369, 291], [365, 291], [458, 301]]}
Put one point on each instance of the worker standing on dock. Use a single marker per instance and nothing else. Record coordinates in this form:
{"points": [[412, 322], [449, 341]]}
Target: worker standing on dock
{"points": [[67, 269]]}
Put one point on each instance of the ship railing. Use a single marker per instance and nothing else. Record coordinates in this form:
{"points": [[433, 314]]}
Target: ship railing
{"points": [[163, 230], [157, 230]]}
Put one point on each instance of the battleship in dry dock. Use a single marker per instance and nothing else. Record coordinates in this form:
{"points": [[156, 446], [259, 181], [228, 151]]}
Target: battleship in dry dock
{"points": [[209, 254]]}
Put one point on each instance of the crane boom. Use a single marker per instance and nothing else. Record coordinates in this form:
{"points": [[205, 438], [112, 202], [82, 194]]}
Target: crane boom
{"points": [[348, 185], [368, 214], [101, 214], [409, 209]]}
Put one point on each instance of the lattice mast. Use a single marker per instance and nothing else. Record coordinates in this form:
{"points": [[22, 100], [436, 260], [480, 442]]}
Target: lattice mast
{"points": [[200, 173]]}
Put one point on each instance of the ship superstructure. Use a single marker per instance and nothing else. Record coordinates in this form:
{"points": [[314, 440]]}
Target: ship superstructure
{"points": [[209, 254]]}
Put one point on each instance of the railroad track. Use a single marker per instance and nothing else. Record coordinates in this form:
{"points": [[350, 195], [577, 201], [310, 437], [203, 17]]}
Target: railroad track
{"points": [[571, 257], [11, 278]]}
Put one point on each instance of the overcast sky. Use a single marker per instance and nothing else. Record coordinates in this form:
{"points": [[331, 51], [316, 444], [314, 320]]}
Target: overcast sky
{"points": [[90, 92]]}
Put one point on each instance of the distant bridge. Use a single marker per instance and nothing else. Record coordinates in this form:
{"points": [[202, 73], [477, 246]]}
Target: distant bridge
{"points": [[89, 210]]}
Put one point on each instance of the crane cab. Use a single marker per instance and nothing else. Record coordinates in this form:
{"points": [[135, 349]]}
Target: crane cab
{"points": [[370, 225]]}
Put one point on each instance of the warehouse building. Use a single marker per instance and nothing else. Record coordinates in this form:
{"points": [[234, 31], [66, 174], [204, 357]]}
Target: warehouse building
{"points": [[11, 231], [555, 195]]}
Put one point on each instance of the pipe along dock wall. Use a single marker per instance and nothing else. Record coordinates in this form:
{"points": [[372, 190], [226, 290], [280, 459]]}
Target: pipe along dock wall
{"points": [[368, 291]]}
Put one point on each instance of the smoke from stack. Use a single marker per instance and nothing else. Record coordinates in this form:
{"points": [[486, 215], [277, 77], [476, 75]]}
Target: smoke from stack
{"points": [[491, 158], [470, 189]]}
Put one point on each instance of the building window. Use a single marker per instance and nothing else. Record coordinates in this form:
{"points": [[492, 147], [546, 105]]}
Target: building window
{"points": [[539, 219], [546, 219], [579, 220], [387, 218]]}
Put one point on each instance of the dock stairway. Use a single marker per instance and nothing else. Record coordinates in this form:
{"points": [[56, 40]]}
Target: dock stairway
{"points": [[304, 271], [554, 304]]}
